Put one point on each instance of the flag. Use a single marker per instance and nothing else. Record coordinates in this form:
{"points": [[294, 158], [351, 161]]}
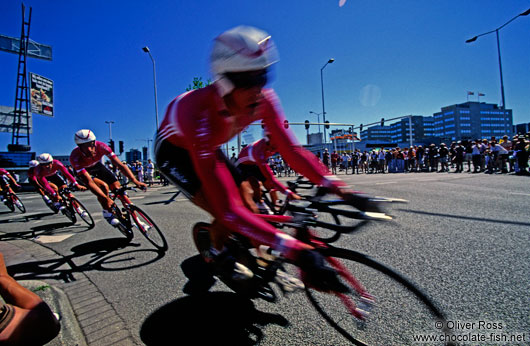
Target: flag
{"points": [[470, 93], [481, 94]]}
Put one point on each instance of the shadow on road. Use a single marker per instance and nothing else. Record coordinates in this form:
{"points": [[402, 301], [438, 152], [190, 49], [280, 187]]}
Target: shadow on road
{"points": [[48, 229], [213, 318], [462, 217], [25, 217], [103, 255]]}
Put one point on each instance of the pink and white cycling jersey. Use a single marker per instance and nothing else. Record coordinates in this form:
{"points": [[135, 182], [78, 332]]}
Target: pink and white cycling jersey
{"points": [[3, 172], [81, 161], [42, 172], [257, 154]]}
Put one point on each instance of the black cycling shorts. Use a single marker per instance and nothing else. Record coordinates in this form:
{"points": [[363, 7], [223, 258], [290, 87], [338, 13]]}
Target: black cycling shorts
{"points": [[251, 170], [175, 164], [56, 180], [101, 172]]}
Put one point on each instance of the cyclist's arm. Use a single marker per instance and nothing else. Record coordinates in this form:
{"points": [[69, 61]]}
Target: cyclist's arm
{"points": [[298, 158], [46, 186], [94, 188], [12, 179], [67, 174], [125, 170], [270, 180]]}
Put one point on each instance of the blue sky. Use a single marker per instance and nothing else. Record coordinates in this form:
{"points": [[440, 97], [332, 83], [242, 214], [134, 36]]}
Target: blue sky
{"points": [[392, 58]]}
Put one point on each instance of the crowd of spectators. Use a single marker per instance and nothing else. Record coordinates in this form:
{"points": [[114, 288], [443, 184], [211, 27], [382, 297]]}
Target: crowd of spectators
{"points": [[488, 156]]}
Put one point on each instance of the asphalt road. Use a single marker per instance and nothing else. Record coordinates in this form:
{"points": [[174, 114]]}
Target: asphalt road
{"points": [[463, 238]]}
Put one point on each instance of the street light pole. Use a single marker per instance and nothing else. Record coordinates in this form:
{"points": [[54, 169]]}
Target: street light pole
{"points": [[110, 122], [473, 39], [322, 88], [146, 49]]}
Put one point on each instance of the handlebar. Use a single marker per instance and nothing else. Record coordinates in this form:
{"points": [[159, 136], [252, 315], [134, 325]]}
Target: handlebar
{"points": [[305, 212]]}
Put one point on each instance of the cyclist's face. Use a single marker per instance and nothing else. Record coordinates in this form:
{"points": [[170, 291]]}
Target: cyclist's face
{"points": [[89, 148], [47, 166], [247, 98]]}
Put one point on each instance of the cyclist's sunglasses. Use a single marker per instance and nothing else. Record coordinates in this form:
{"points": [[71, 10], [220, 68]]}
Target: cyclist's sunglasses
{"points": [[248, 80]]}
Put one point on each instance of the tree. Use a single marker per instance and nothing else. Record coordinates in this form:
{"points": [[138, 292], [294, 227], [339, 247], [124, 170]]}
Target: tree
{"points": [[198, 83]]}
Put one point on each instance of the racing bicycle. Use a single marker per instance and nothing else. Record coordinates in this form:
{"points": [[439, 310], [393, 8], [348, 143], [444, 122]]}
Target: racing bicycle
{"points": [[11, 200], [131, 216], [382, 307]]}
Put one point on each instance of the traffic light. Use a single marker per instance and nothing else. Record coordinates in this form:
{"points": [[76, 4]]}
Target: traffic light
{"points": [[233, 148], [262, 124], [307, 124], [286, 124], [111, 145], [350, 130], [361, 128], [120, 145], [382, 121], [327, 124]]}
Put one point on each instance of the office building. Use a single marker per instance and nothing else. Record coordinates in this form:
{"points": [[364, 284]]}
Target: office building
{"points": [[472, 120]]}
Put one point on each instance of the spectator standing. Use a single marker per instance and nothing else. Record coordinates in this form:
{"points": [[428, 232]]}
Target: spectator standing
{"points": [[476, 150], [149, 172], [459, 157], [334, 160], [325, 158], [444, 154], [433, 157]]}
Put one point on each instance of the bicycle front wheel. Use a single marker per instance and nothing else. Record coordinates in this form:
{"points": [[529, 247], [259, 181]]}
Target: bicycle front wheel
{"points": [[148, 228], [382, 308], [82, 211], [18, 203]]}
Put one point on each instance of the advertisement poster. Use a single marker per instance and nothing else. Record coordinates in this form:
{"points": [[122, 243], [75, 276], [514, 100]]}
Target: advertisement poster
{"points": [[41, 89]]}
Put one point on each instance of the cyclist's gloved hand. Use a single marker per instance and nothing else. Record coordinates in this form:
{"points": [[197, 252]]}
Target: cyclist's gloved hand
{"points": [[318, 275], [141, 185], [361, 201]]}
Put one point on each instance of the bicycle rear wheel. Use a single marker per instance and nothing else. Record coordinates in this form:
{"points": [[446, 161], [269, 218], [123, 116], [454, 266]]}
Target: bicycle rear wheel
{"points": [[83, 213], [390, 311], [148, 228]]}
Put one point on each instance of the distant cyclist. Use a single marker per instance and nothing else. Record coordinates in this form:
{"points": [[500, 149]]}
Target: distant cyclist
{"points": [[86, 161], [198, 122], [254, 167], [6, 180], [47, 177], [32, 179]]}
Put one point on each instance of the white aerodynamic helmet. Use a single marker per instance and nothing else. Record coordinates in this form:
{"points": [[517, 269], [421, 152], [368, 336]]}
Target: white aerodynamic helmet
{"points": [[242, 49], [33, 163], [45, 158], [84, 136]]}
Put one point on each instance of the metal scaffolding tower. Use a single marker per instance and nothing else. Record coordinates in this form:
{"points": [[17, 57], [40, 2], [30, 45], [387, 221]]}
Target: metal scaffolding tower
{"points": [[21, 110]]}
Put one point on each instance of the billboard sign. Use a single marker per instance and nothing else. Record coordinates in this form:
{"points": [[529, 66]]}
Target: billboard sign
{"points": [[41, 89]]}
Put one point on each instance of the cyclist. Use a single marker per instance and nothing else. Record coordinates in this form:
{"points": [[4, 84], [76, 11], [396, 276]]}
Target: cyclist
{"points": [[198, 122], [5, 180], [253, 165], [33, 181], [86, 161], [47, 177]]}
